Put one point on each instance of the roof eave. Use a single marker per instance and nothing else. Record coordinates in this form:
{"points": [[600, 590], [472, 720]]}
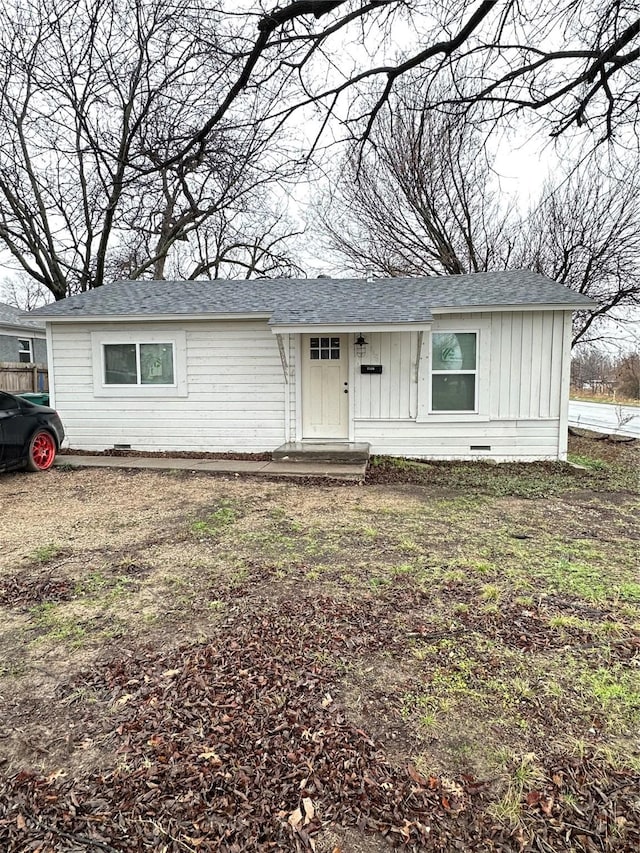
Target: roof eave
{"points": [[151, 318], [346, 328], [516, 306]]}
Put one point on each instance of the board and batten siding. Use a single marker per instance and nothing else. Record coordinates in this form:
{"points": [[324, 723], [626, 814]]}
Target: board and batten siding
{"points": [[523, 357], [392, 394], [235, 390]]}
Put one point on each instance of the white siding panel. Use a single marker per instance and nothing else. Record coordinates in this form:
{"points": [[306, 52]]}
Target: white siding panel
{"points": [[521, 440], [391, 393], [535, 365], [293, 387], [556, 367], [545, 360], [505, 376], [516, 364], [526, 364], [235, 402], [527, 355]]}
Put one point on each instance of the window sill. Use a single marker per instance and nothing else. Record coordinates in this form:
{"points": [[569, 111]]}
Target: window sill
{"points": [[453, 417], [140, 392]]}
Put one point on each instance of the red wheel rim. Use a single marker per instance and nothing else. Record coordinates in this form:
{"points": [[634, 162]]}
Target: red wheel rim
{"points": [[43, 451]]}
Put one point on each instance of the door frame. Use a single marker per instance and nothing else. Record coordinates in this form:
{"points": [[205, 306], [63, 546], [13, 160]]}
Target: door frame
{"points": [[351, 375]]}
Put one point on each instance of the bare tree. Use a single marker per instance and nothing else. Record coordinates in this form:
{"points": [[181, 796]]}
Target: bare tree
{"points": [[628, 376], [23, 292], [234, 242], [573, 65], [586, 234], [91, 105], [421, 201], [592, 368]]}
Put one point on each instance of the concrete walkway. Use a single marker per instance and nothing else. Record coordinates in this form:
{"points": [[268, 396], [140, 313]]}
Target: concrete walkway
{"points": [[326, 470]]}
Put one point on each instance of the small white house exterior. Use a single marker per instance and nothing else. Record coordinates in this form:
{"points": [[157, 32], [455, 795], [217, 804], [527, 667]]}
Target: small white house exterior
{"points": [[464, 367]]}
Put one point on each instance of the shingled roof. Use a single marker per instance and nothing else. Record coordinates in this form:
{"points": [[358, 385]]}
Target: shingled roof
{"points": [[321, 301], [17, 319]]}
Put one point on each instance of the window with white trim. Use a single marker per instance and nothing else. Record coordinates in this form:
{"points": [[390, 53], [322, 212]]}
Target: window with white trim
{"points": [[454, 371], [139, 364], [25, 351]]}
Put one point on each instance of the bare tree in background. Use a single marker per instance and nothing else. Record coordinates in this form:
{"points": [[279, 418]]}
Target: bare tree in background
{"points": [[421, 201], [114, 113], [233, 243], [424, 201], [24, 293], [585, 234], [592, 368], [570, 66], [243, 248], [628, 375], [91, 104]]}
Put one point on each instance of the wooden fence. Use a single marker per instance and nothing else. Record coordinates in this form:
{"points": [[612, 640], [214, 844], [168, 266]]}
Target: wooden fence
{"points": [[17, 378]]}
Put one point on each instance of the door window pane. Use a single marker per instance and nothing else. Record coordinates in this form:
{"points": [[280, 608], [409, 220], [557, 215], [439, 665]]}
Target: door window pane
{"points": [[324, 349], [156, 364], [120, 364]]}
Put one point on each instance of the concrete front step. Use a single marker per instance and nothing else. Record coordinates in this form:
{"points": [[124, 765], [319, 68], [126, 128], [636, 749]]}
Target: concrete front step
{"points": [[340, 452]]}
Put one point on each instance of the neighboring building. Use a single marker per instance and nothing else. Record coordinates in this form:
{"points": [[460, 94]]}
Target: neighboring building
{"points": [[22, 340], [456, 367]]}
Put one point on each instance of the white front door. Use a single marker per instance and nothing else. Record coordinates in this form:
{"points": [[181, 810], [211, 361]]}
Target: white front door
{"points": [[325, 386]]}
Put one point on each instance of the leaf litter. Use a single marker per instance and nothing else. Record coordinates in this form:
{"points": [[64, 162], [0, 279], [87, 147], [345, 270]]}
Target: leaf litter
{"points": [[237, 744]]}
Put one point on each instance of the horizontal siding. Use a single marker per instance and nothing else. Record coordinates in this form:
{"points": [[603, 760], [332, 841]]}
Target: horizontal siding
{"points": [[235, 392], [525, 440]]}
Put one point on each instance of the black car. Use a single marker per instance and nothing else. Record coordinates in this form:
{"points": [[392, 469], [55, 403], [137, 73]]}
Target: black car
{"points": [[30, 435]]}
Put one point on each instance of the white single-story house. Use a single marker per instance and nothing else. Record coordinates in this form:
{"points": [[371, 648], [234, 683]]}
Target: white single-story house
{"points": [[456, 367]]}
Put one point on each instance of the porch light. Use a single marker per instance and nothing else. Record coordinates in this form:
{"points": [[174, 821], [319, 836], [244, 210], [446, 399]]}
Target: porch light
{"points": [[360, 344]]}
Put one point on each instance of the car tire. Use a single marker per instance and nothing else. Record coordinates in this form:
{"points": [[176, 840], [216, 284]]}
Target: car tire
{"points": [[42, 451]]}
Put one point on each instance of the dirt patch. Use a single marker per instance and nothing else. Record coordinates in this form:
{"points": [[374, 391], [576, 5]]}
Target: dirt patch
{"points": [[372, 693]]}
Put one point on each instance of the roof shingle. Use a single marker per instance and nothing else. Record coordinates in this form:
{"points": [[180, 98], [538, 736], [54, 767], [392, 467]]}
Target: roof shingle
{"points": [[11, 316], [319, 301]]}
